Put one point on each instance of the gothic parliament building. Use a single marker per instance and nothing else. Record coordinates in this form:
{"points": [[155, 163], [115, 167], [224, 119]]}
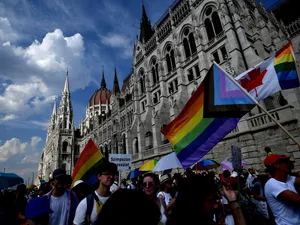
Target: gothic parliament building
{"points": [[170, 59]]}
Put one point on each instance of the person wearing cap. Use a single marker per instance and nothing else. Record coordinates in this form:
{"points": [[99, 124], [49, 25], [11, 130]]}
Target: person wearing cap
{"points": [[90, 207], [81, 189], [268, 150], [37, 211], [63, 202], [280, 190]]}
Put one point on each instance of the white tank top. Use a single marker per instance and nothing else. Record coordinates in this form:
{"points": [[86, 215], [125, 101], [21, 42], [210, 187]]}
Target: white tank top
{"points": [[163, 218]]}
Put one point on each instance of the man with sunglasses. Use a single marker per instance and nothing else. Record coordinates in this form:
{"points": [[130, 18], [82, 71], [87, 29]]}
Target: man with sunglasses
{"points": [[62, 201], [90, 207], [280, 190]]}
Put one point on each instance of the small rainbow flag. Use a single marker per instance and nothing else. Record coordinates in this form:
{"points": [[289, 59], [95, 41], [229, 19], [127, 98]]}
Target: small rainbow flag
{"points": [[285, 67], [210, 114], [88, 162]]}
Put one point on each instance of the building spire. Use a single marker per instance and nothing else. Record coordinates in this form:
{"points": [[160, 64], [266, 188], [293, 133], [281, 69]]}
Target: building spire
{"points": [[54, 108], [66, 88], [146, 30], [103, 83], [116, 88]]}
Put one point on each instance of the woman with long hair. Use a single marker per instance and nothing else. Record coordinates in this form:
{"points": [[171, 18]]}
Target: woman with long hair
{"points": [[150, 188]]}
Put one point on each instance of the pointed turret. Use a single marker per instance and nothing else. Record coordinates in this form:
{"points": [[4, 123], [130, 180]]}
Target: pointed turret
{"points": [[146, 30], [116, 88], [54, 108], [66, 88], [103, 83]]}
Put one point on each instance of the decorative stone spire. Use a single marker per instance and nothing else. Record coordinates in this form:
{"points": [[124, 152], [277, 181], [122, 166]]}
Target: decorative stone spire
{"points": [[103, 83], [54, 108], [146, 30], [66, 88], [116, 88]]}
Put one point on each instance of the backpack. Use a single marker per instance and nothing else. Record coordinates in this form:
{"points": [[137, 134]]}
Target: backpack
{"points": [[90, 205]]}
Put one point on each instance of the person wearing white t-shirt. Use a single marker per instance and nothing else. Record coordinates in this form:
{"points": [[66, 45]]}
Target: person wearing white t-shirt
{"points": [[280, 190], [105, 175]]}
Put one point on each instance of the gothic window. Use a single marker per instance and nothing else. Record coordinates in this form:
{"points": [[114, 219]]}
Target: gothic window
{"points": [[154, 71], [135, 146], [212, 23], [164, 140], [189, 43], [124, 143], [65, 146], [149, 140], [170, 58], [156, 97], [142, 82], [63, 166], [173, 86], [190, 75], [106, 151]]}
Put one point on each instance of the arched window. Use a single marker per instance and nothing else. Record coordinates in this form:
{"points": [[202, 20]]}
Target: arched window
{"points": [[170, 58], [65, 146], [142, 82], [189, 43], [212, 23], [135, 146], [149, 140], [154, 70]]}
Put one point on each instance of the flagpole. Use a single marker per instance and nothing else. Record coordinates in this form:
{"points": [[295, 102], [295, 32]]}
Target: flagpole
{"points": [[257, 103]]}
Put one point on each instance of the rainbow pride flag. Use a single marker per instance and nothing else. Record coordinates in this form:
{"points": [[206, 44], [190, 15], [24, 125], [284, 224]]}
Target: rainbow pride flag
{"points": [[88, 162], [271, 75], [285, 67], [210, 114]]}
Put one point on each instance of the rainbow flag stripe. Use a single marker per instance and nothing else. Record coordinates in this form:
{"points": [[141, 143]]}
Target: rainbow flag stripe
{"points": [[210, 114], [285, 67], [88, 162]]}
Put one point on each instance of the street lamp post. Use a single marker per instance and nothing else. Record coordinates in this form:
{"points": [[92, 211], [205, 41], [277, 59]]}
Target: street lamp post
{"points": [[28, 180], [32, 177], [4, 170]]}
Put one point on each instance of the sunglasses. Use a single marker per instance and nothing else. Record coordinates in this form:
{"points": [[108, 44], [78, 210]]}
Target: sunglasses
{"points": [[148, 184]]}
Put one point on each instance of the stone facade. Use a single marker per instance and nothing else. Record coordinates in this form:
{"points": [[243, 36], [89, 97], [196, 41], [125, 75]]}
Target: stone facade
{"points": [[168, 66]]}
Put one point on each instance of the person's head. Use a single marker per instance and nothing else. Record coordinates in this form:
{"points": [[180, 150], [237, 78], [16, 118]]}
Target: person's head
{"points": [[166, 182], [81, 189], [21, 190], [37, 211], [129, 207], [59, 179], [267, 149], [106, 173], [251, 171], [226, 173], [150, 184], [278, 164], [44, 189]]}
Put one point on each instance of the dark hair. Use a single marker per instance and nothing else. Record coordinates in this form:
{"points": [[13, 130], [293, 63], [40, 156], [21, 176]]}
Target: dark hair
{"points": [[107, 166], [153, 176], [226, 173], [119, 209]]}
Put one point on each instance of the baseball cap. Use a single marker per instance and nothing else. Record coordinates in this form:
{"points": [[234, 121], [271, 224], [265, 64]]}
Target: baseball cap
{"points": [[37, 206], [271, 159], [59, 173]]}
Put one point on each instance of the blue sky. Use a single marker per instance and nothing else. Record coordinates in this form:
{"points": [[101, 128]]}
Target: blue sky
{"points": [[39, 42]]}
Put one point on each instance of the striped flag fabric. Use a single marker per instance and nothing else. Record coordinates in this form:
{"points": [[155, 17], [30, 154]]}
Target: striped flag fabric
{"points": [[272, 75], [210, 114], [88, 162]]}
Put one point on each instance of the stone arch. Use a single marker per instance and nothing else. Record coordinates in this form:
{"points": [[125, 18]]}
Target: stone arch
{"points": [[212, 22], [188, 41], [169, 53]]}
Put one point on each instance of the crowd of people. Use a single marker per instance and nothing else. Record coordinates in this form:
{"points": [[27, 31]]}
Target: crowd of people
{"points": [[231, 198]]}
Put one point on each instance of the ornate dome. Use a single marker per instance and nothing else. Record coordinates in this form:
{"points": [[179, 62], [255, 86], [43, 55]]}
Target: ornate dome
{"points": [[101, 96]]}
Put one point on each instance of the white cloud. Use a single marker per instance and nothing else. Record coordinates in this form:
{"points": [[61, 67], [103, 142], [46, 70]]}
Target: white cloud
{"points": [[12, 147], [118, 41], [37, 72], [8, 117], [7, 33]]}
